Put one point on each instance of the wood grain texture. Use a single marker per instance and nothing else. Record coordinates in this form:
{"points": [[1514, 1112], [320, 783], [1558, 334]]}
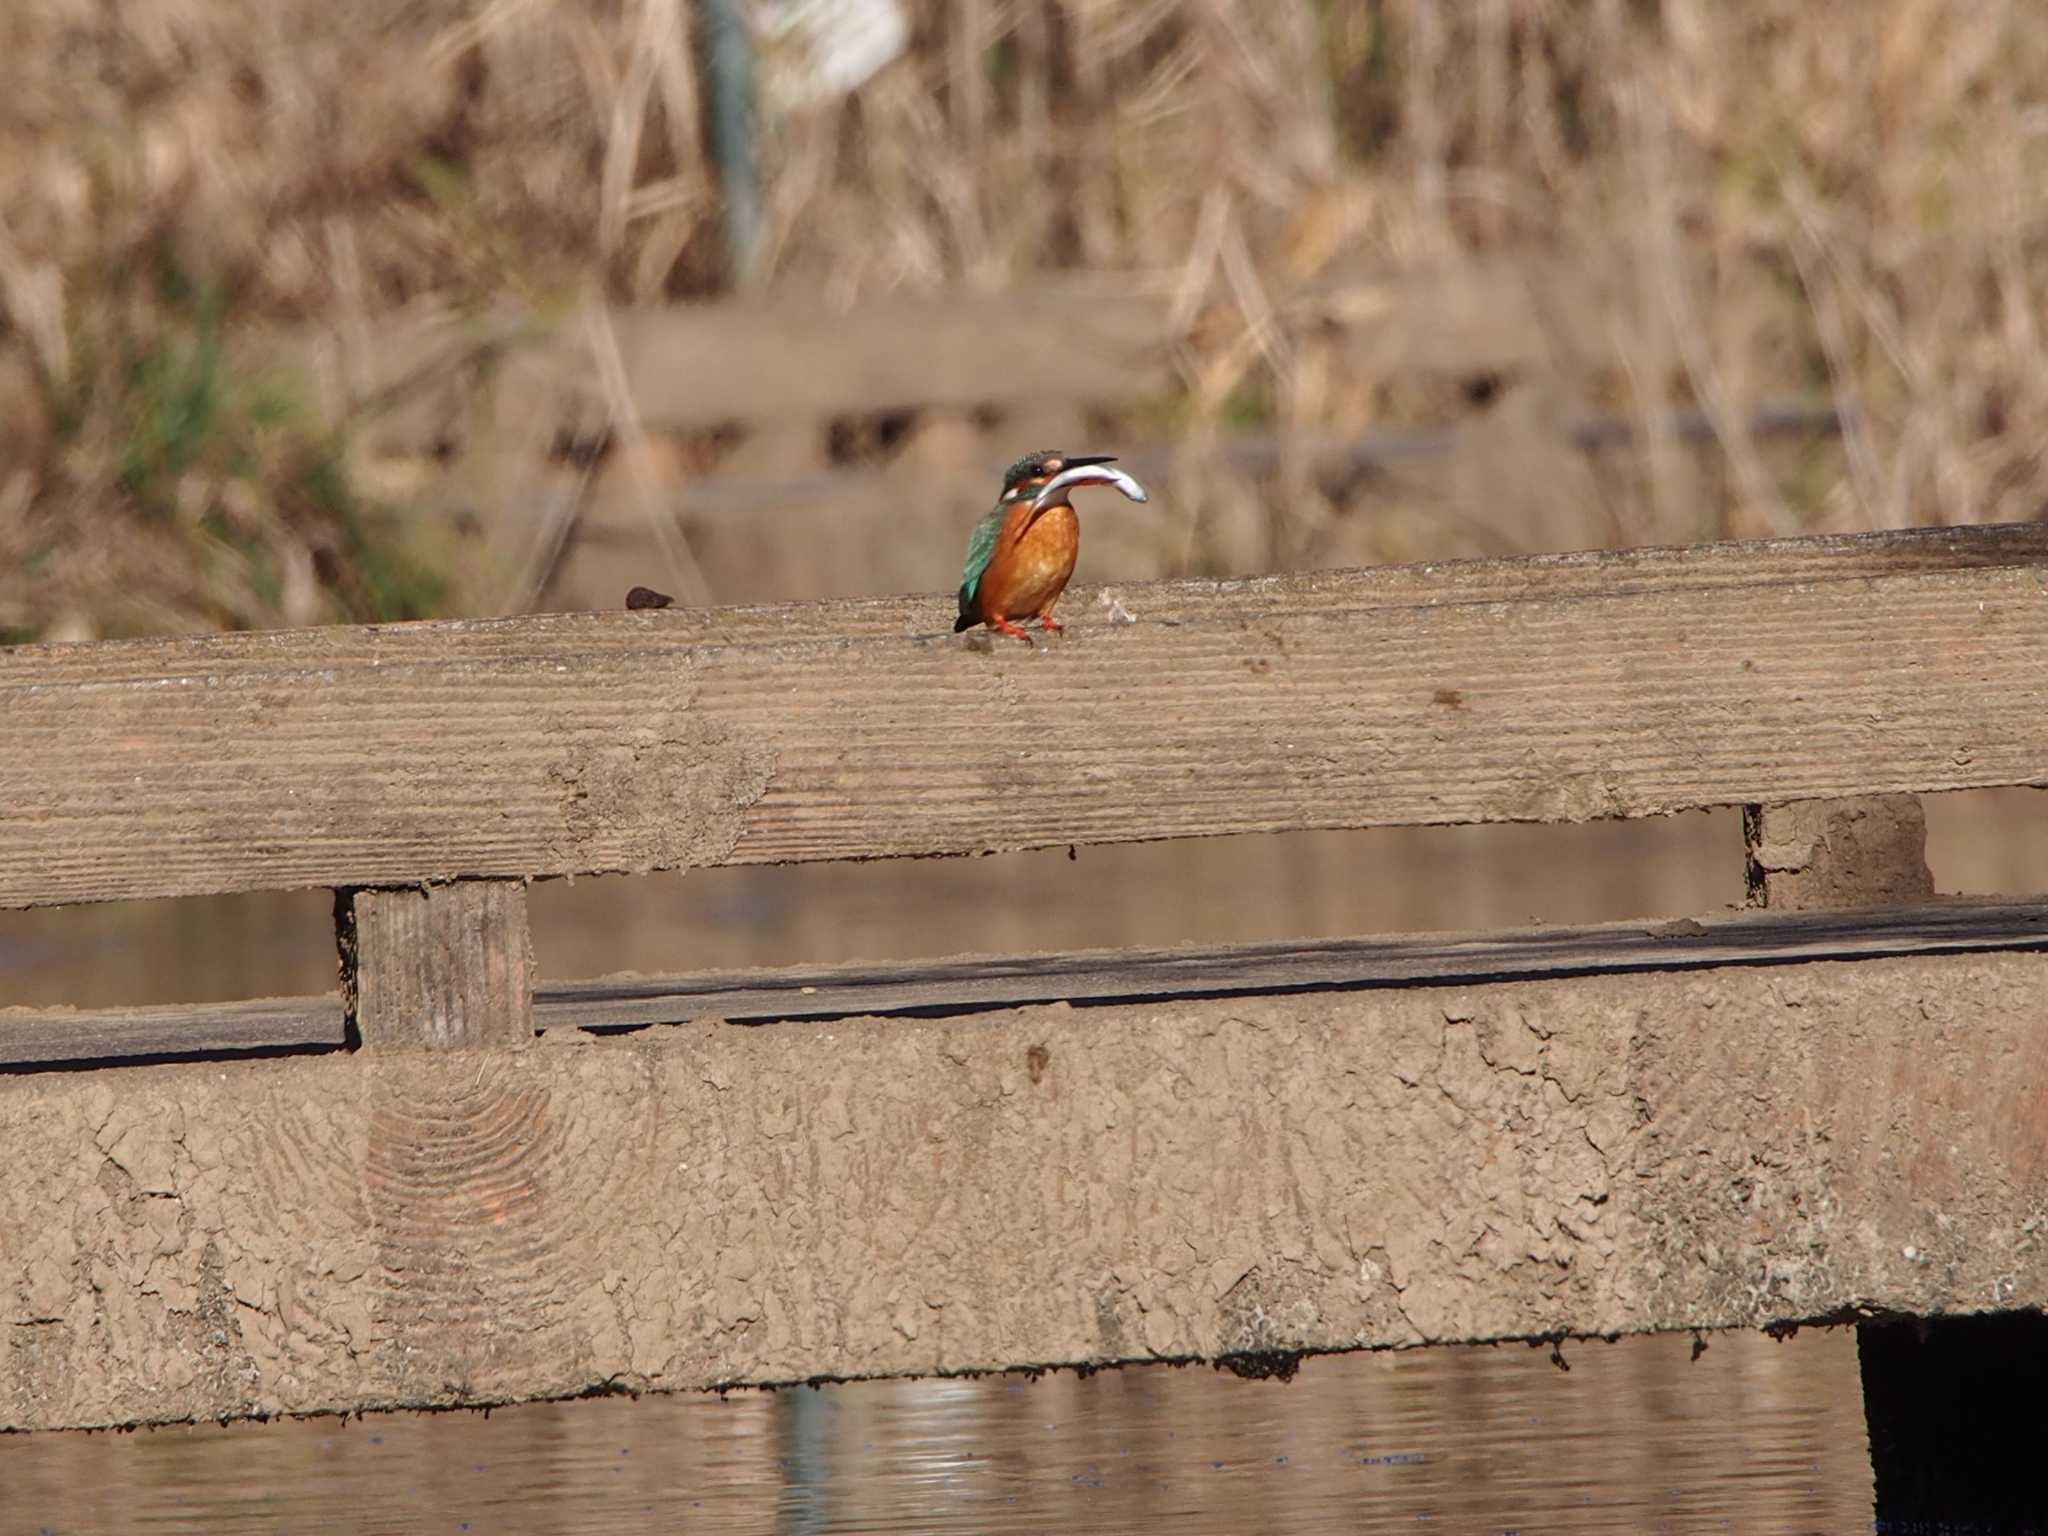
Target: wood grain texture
{"points": [[439, 968], [34, 1036], [187, 661], [475, 1228], [1187, 1180], [1545, 690], [968, 983]]}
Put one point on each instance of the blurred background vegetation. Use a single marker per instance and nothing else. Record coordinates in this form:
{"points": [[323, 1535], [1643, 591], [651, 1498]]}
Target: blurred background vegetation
{"points": [[1583, 242]]}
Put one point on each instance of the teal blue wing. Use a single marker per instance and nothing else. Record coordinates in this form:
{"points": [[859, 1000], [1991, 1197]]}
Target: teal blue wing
{"points": [[981, 549]]}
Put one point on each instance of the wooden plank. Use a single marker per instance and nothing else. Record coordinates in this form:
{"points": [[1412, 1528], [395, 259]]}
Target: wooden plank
{"points": [[440, 968], [1247, 1176], [37, 1036], [707, 365], [702, 365], [776, 359], [191, 660], [967, 983], [622, 743], [970, 982], [1336, 463]]}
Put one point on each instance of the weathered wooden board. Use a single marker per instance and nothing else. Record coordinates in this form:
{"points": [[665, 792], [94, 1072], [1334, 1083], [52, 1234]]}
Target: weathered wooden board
{"points": [[1590, 573], [441, 967], [1250, 1175], [873, 497], [1105, 975], [967, 983], [706, 365], [32, 1035], [635, 741], [1866, 851], [1053, 342]]}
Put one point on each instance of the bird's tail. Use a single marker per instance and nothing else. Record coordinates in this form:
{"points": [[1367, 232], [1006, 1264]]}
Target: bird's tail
{"points": [[965, 621]]}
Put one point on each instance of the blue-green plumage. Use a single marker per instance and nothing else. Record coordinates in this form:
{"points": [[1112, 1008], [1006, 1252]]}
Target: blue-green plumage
{"points": [[981, 548]]}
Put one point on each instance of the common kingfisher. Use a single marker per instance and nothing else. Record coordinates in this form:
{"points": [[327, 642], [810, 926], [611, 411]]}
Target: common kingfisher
{"points": [[1021, 555]]}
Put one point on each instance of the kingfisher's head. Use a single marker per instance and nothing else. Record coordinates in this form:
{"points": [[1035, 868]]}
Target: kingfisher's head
{"points": [[1045, 478], [1027, 477]]}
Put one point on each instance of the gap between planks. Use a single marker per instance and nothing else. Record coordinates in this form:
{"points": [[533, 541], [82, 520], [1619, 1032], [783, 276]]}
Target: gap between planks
{"points": [[42, 1037]]}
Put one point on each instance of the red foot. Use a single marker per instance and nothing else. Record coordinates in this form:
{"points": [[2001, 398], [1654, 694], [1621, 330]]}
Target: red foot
{"points": [[1005, 627], [1047, 621]]}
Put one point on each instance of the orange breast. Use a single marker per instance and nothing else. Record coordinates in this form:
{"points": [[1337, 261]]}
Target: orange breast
{"points": [[1030, 570]]}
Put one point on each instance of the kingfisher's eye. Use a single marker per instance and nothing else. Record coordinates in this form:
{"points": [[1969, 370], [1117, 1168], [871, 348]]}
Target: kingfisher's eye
{"points": [[1047, 468]]}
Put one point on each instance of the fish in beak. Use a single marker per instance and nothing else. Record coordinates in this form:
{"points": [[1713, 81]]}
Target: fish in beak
{"points": [[1086, 469]]}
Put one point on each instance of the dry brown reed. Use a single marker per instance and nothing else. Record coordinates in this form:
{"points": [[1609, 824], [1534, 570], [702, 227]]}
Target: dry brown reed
{"points": [[1752, 200]]}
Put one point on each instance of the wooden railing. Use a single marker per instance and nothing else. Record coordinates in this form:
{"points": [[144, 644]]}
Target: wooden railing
{"points": [[1549, 689], [1079, 1158]]}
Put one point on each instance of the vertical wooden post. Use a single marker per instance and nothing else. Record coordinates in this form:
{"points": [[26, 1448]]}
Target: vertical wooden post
{"points": [[1954, 1405], [1870, 851], [439, 968], [459, 1173]]}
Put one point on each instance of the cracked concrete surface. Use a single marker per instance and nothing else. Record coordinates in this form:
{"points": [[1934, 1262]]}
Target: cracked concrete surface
{"points": [[1241, 1177]]}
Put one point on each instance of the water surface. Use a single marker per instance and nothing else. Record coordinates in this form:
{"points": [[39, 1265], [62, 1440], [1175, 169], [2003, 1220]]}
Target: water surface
{"points": [[1637, 1436]]}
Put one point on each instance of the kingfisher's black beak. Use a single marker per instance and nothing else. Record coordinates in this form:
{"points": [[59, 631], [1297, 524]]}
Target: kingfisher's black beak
{"points": [[1080, 459]]}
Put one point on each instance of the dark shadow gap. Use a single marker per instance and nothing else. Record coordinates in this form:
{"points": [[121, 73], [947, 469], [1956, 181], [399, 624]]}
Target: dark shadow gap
{"points": [[169, 1059]]}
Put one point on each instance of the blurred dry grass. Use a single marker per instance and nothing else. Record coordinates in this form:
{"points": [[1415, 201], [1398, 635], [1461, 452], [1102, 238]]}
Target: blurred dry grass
{"points": [[1739, 201]]}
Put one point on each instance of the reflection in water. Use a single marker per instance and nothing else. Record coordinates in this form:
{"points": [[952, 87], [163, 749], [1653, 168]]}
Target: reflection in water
{"points": [[803, 1426], [1754, 1436]]}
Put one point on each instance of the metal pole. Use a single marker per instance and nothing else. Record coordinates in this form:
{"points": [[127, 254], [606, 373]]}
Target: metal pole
{"points": [[729, 69]]}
